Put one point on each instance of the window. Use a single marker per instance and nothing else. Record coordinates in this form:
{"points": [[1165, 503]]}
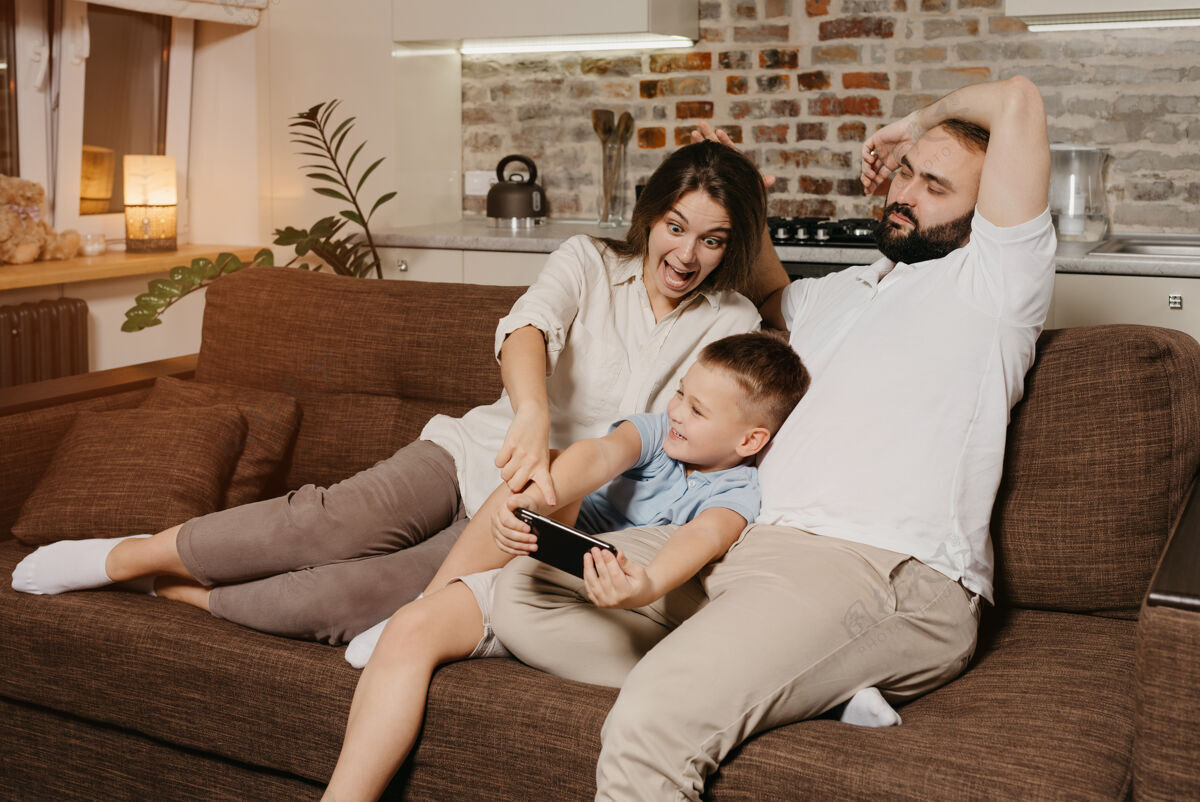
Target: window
{"points": [[96, 83], [124, 100], [9, 159]]}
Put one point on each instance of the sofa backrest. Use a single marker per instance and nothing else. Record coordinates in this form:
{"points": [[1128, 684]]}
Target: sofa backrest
{"points": [[368, 361], [1101, 453]]}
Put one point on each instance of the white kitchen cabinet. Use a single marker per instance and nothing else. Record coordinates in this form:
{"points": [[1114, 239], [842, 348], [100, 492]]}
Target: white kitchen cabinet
{"points": [[1086, 299], [422, 264], [473, 19], [507, 268]]}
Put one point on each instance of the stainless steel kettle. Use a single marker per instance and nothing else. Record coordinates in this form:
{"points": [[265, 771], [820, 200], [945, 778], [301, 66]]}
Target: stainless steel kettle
{"points": [[1077, 202], [515, 200]]}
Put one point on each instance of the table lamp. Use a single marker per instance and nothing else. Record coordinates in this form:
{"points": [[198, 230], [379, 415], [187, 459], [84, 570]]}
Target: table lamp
{"points": [[149, 203]]}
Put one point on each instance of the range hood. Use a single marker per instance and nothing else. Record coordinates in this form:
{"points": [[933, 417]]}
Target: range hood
{"points": [[1064, 15], [529, 25]]}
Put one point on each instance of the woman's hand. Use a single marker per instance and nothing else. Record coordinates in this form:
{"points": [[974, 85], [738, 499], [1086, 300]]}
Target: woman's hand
{"points": [[525, 455], [616, 582], [883, 150], [706, 132], [512, 535]]}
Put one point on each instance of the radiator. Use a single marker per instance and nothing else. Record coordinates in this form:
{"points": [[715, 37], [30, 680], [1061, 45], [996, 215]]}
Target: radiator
{"points": [[43, 340]]}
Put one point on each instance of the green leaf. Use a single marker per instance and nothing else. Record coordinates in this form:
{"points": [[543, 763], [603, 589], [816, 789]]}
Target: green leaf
{"points": [[289, 235], [342, 126], [264, 258], [318, 155], [184, 275], [382, 200], [350, 161], [352, 217], [366, 173], [329, 107], [326, 227], [165, 288], [337, 144], [331, 193], [300, 138], [322, 177], [228, 263], [148, 301], [205, 267]]}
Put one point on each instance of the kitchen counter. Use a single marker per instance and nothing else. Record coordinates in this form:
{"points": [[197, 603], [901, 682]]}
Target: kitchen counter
{"points": [[475, 234]]}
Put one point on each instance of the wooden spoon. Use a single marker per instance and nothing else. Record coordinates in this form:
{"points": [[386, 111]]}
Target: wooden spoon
{"points": [[602, 124], [624, 127]]}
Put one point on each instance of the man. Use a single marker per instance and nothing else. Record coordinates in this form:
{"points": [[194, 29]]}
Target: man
{"points": [[868, 561]]}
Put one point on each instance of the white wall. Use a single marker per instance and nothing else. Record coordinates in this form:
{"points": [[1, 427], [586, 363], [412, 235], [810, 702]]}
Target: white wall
{"points": [[407, 110], [225, 188]]}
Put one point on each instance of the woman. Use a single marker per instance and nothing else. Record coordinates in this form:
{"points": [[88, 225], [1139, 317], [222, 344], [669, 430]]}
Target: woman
{"points": [[607, 330]]}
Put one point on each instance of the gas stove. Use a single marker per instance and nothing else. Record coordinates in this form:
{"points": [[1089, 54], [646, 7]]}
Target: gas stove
{"points": [[822, 231]]}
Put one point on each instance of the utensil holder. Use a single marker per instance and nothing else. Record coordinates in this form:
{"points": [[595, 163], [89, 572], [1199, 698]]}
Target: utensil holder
{"points": [[612, 184]]}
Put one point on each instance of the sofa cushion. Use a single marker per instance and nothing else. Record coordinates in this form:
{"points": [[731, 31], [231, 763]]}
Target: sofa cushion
{"points": [[271, 421], [30, 440], [312, 350], [129, 471], [1100, 453], [343, 433]]}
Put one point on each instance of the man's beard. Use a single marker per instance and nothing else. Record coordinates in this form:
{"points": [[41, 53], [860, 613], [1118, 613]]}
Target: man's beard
{"points": [[919, 244]]}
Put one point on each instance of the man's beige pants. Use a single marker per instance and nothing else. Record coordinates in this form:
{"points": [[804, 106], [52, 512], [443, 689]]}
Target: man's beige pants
{"points": [[784, 627]]}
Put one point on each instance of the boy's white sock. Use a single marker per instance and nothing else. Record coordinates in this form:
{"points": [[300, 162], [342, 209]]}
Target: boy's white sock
{"points": [[362, 645], [868, 708], [65, 565]]}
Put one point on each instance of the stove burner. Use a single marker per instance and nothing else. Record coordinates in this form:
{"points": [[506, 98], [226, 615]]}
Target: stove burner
{"points": [[853, 232]]}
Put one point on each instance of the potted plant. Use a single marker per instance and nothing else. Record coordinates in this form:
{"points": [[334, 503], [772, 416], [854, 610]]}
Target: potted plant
{"points": [[346, 252]]}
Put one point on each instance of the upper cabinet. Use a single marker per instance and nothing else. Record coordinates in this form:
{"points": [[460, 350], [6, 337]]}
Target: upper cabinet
{"points": [[496, 19], [1059, 14]]}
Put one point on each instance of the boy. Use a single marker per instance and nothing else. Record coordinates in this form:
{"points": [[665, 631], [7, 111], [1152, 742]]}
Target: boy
{"points": [[687, 466]]}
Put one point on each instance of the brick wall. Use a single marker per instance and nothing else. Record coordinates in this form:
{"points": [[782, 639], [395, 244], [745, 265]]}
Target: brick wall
{"points": [[800, 83]]}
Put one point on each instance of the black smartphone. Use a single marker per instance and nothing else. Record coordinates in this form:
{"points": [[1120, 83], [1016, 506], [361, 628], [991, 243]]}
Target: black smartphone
{"points": [[560, 545]]}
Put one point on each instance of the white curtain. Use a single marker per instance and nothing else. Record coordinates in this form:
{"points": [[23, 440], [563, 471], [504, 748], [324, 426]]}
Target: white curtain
{"points": [[234, 12]]}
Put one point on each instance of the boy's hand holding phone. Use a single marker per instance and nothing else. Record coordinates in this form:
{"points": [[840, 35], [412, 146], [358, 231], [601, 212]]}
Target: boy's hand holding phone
{"points": [[616, 582], [512, 535]]}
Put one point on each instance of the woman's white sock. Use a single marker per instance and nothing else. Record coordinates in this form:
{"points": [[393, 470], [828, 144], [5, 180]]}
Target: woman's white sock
{"points": [[868, 708], [65, 565]]}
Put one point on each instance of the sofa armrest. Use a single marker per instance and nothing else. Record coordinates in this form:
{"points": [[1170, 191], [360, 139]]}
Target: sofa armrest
{"points": [[1166, 754], [53, 392], [34, 417]]}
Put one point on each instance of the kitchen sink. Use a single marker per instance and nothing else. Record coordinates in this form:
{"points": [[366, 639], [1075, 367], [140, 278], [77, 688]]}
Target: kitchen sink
{"points": [[1151, 246]]}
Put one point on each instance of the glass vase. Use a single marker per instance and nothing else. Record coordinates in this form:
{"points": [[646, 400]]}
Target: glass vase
{"points": [[612, 184]]}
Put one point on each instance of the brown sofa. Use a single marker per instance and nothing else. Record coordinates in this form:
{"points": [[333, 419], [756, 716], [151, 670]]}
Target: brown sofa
{"points": [[1084, 684]]}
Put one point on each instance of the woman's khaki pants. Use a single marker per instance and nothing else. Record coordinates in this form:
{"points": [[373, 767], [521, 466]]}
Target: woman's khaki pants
{"points": [[784, 627], [325, 563]]}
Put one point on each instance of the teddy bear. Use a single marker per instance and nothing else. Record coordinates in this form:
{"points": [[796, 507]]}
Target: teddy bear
{"points": [[24, 235]]}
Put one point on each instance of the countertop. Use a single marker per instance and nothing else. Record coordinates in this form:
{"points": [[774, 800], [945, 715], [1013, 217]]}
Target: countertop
{"points": [[477, 234]]}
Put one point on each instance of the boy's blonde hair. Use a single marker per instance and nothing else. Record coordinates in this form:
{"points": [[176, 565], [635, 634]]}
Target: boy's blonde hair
{"points": [[770, 374]]}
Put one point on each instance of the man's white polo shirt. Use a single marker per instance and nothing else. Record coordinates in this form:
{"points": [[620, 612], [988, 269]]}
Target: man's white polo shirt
{"points": [[899, 442]]}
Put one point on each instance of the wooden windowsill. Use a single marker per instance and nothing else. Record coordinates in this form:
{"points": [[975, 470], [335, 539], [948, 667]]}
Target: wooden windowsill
{"points": [[111, 265]]}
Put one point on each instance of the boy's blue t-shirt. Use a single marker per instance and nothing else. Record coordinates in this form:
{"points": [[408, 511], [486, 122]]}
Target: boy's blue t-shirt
{"points": [[657, 490]]}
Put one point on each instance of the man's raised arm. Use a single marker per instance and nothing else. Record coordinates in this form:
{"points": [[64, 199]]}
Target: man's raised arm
{"points": [[1015, 181]]}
